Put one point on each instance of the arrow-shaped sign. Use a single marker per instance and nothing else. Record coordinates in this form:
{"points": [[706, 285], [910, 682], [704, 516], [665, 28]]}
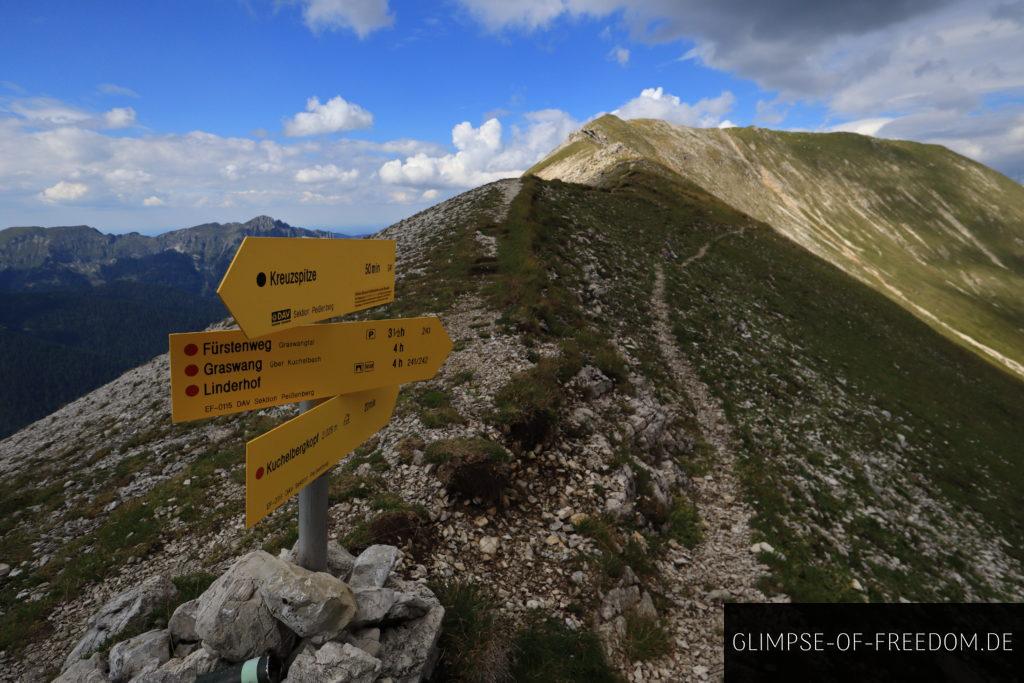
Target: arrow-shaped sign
{"points": [[287, 458], [275, 283], [222, 372]]}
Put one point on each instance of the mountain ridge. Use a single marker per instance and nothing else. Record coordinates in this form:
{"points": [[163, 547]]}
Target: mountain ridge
{"points": [[83, 255], [655, 404], [939, 233]]}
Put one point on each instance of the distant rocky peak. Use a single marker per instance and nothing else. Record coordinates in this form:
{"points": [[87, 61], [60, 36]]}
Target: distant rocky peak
{"points": [[264, 223]]}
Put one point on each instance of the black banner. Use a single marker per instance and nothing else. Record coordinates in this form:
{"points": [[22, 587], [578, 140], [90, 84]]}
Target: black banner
{"points": [[874, 642]]}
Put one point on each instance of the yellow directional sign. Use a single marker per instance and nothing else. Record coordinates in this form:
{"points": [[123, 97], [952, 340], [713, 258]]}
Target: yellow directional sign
{"points": [[222, 372], [282, 461], [275, 283]]}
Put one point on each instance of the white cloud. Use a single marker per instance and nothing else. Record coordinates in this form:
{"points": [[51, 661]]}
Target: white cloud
{"points": [[429, 194], [913, 60], [322, 173], [526, 14], [64, 191], [119, 117], [361, 16], [332, 116], [48, 171], [620, 55], [481, 155], [43, 111], [869, 126], [116, 90], [727, 124], [655, 103], [47, 112]]}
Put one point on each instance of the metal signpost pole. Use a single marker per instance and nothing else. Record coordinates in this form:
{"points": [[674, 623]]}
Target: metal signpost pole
{"points": [[312, 548]]}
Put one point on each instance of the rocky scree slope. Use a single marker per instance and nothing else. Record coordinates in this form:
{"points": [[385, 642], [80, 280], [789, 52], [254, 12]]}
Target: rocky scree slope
{"points": [[938, 233], [643, 380]]}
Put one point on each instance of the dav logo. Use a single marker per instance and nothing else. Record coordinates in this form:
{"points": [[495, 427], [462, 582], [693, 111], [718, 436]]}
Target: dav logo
{"points": [[281, 317]]}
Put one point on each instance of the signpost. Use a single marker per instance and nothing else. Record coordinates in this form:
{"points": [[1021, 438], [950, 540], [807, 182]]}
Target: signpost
{"points": [[221, 372], [346, 375], [275, 283], [285, 459]]}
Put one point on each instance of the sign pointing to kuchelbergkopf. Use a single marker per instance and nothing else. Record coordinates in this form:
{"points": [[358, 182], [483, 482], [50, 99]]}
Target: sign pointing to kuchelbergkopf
{"points": [[222, 372], [287, 458], [275, 283]]}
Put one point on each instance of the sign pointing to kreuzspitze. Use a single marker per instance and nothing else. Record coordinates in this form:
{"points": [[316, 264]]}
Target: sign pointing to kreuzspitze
{"points": [[221, 372], [275, 283], [281, 462]]}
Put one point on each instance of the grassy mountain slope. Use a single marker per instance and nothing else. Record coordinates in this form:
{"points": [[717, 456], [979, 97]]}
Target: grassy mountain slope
{"points": [[940, 234], [878, 459]]}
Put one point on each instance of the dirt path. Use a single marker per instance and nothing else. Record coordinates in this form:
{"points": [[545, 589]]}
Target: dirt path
{"points": [[722, 567]]}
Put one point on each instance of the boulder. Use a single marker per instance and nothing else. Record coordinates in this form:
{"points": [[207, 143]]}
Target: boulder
{"points": [[367, 640], [339, 560], [372, 605], [407, 606], [618, 601], [182, 670], [592, 383], [645, 608], [126, 610], [182, 623], [232, 618], [92, 670], [312, 604], [409, 649], [143, 653], [373, 566], [333, 663]]}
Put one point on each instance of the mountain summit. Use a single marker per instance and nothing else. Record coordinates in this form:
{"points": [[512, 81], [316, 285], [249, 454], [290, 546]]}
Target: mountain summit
{"points": [[938, 233]]}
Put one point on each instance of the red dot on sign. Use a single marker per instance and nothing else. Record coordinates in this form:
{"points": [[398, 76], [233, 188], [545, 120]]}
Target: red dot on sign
{"points": [[191, 350], [191, 370], [192, 390], [259, 473]]}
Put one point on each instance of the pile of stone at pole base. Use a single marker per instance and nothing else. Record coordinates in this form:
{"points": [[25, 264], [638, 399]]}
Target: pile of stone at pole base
{"points": [[354, 622]]}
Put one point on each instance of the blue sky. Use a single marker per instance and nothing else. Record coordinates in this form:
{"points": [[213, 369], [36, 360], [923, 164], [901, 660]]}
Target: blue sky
{"points": [[157, 115]]}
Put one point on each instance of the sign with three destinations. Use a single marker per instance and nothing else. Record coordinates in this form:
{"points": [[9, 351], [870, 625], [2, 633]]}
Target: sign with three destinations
{"points": [[221, 372], [274, 283]]}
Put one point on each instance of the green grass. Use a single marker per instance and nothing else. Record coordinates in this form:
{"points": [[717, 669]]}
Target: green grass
{"points": [[547, 651], [474, 448], [684, 522], [645, 638], [617, 549], [436, 410], [130, 530], [473, 468], [476, 643]]}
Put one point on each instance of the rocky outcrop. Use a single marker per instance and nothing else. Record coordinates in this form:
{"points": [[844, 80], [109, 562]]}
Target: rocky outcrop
{"points": [[91, 670], [233, 619], [128, 610], [320, 628], [138, 655], [334, 663], [372, 567]]}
